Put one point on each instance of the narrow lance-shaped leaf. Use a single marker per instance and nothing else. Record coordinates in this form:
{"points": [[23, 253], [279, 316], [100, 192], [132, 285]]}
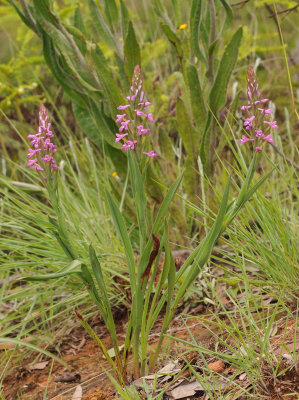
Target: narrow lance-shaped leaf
{"points": [[187, 131], [174, 40], [227, 63], [131, 51], [123, 234], [195, 20], [199, 111], [111, 12], [125, 19]]}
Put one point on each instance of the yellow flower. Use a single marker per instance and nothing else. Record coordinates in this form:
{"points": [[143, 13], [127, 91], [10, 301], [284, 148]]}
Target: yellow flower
{"points": [[183, 26], [115, 174]]}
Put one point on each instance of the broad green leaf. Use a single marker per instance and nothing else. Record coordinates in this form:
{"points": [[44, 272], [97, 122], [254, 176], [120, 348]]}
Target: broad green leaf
{"points": [[43, 11], [111, 12], [197, 102], [227, 63], [87, 123], [187, 131], [100, 25], [108, 83], [195, 20], [125, 19], [131, 52]]}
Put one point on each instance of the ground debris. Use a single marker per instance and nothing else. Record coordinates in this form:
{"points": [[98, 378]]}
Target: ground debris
{"points": [[67, 377]]}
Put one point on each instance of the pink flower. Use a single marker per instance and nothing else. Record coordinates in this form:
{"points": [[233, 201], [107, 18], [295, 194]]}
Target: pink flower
{"points": [[264, 100], [268, 138], [245, 139], [37, 167], [140, 113], [124, 125], [32, 162], [150, 117], [259, 133], [147, 103], [258, 149], [248, 122], [43, 148], [120, 137], [142, 130], [151, 153], [123, 107], [272, 124], [129, 145], [266, 112], [243, 108], [119, 118]]}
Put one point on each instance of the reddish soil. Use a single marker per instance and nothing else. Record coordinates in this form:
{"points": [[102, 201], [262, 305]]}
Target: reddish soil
{"points": [[85, 366]]}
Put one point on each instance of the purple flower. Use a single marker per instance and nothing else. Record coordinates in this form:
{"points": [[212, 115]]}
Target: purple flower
{"points": [[259, 133], [119, 118], [137, 126], [243, 108], [245, 139], [124, 125], [151, 153], [44, 149], [150, 117], [268, 138], [129, 145], [266, 112], [272, 124], [253, 111], [142, 130], [140, 113], [120, 137]]}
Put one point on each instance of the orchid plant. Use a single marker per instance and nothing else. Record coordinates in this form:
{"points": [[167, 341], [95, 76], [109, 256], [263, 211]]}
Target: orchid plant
{"points": [[156, 288]]}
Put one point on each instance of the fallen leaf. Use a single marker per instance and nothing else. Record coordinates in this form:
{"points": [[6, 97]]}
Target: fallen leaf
{"points": [[188, 389], [40, 365], [217, 366], [242, 376], [78, 393]]}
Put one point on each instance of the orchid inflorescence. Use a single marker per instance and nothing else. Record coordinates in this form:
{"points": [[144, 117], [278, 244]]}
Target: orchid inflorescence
{"points": [[256, 123], [41, 155], [133, 121]]}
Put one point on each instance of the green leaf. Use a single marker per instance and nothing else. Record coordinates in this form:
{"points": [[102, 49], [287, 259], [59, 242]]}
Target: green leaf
{"points": [[198, 107], [174, 40], [195, 20], [33, 347], [125, 19], [123, 234], [131, 52], [72, 268], [108, 83], [139, 196], [87, 123], [187, 131], [227, 63], [79, 24], [111, 12], [99, 24], [229, 13]]}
